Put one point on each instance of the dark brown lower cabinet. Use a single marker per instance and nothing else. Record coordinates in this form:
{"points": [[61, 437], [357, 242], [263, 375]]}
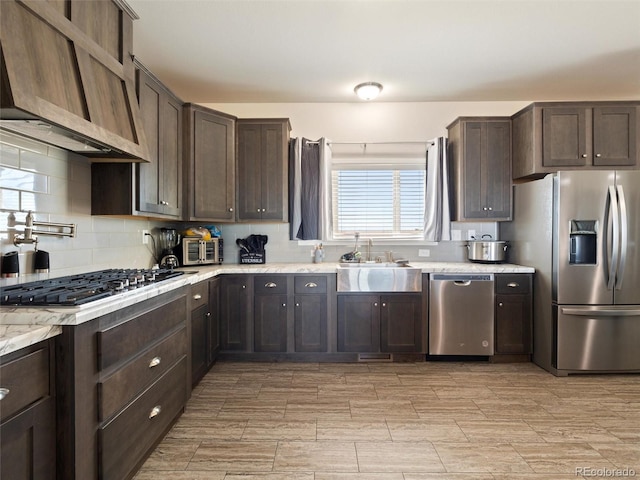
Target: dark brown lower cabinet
{"points": [[214, 320], [270, 323], [27, 411], [199, 343], [401, 323], [234, 304], [514, 314], [310, 323], [390, 323], [122, 380]]}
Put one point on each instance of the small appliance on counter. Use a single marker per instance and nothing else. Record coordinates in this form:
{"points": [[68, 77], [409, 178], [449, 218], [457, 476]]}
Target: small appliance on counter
{"points": [[40, 261], [169, 239], [252, 249], [10, 265], [197, 251], [486, 250]]}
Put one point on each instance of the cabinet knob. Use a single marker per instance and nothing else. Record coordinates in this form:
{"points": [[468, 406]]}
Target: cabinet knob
{"points": [[500, 304], [584, 155], [244, 286], [259, 210], [264, 209], [4, 392], [297, 304], [208, 314], [284, 304], [598, 155], [311, 285], [384, 304], [155, 411], [270, 285], [484, 208], [155, 361], [197, 296], [490, 209], [230, 209], [375, 304], [513, 285]]}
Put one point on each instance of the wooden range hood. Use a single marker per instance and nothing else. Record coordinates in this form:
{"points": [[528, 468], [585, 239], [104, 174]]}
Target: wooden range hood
{"points": [[60, 86]]}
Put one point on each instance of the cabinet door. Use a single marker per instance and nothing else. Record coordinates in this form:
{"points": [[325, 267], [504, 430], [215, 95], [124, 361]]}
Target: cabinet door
{"points": [[614, 136], [250, 168], [496, 174], [401, 323], [28, 444], [474, 200], [310, 323], [358, 323], [270, 323], [214, 320], [171, 155], [274, 173], [566, 137], [513, 324], [199, 343], [213, 168], [234, 299]]}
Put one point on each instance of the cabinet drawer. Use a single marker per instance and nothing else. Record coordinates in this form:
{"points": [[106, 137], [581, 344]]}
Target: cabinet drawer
{"points": [[199, 294], [122, 341], [311, 284], [267, 285], [126, 439], [119, 388], [513, 284], [27, 379]]}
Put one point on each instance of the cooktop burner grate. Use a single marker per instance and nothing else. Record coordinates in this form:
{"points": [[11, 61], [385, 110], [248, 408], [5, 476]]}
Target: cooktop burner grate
{"points": [[82, 288]]}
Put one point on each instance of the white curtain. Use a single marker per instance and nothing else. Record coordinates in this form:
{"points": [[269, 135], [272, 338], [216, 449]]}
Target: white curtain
{"points": [[437, 215]]}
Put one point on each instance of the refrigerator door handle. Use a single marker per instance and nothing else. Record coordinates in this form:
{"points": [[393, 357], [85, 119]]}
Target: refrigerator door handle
{"points": [[604, 312], [624, 236], [612, 203]]}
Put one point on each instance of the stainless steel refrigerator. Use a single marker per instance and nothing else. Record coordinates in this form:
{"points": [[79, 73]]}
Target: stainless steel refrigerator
{"points": [[581, 232]]}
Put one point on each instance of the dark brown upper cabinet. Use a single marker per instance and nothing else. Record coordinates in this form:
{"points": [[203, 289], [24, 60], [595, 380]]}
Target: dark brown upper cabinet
{"points": [[548, 137], [480, 153], [148, 189], [209, 165], [262, 146], [68, 79]]}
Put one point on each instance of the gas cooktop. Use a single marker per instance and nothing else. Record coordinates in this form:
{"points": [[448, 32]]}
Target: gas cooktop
{"points": [[82, 288]]}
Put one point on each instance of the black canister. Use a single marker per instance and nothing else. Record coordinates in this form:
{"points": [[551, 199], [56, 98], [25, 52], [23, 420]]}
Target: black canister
{"points": [[41, 261], [10, 265]]}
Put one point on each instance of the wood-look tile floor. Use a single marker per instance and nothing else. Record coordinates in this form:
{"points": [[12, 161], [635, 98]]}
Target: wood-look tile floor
{"points": [[402, 421]]}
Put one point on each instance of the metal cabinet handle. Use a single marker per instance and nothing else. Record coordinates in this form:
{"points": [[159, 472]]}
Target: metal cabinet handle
{"points": [[231, 209], [598, 155], [155, 411], [384, 304], [208, 314], [491, 209], [270, 285], [258, 210], [513, 285], [484, 208], [375, 304], [197, 296], [264, 209], [244, 286], [584, 155], [311, 285], [4, 392], [500, 304], [297, 304], [284, 304], [155, 361]]}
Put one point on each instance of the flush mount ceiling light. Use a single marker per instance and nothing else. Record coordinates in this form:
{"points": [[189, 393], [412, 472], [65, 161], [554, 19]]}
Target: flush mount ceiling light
{"points": [[368, 90]]}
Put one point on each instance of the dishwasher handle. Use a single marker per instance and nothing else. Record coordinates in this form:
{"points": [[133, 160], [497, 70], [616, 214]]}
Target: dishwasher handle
{"points": [[462, 283], [462, 278]]}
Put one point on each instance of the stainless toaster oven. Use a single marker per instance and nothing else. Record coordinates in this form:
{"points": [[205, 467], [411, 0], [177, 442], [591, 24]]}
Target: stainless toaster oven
{"points": [[196, 251]]}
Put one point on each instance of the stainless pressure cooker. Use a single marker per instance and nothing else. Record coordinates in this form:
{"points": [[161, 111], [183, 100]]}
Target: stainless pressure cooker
{"points": [[487, 251]]}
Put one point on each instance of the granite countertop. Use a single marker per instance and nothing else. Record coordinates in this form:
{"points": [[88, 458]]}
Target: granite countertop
{"points": [[23, 326]]}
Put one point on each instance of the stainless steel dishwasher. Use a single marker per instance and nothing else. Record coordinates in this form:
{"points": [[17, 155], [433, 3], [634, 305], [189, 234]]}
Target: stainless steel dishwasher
{"points": [[461, 314]]}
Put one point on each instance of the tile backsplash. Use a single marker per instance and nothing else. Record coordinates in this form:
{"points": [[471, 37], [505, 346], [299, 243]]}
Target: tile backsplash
{"points": [[56, 186]]}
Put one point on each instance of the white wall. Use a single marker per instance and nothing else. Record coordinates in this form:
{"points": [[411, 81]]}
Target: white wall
{"points": [[362, 122], [56, 185]]}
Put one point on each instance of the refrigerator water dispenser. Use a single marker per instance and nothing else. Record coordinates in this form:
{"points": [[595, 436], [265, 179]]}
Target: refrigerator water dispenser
{"points": [[583, 241]]}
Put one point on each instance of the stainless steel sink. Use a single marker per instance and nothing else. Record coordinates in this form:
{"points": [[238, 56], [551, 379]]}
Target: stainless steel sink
{"points": [[378, 277]]}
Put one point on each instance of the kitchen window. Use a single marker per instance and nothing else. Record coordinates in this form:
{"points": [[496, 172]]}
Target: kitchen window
{"points": [[378, 195]]}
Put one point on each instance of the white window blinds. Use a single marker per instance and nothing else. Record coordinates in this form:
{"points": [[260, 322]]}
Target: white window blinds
{"points": [[379, 196]]}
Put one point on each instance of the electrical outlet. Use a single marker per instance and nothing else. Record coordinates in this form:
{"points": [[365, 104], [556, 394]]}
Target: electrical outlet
{"points": [[424, 252], [471, 234], [145, 237]]}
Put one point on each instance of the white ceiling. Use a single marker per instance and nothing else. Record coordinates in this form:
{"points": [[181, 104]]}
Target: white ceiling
{"points": [[220, 51]]}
